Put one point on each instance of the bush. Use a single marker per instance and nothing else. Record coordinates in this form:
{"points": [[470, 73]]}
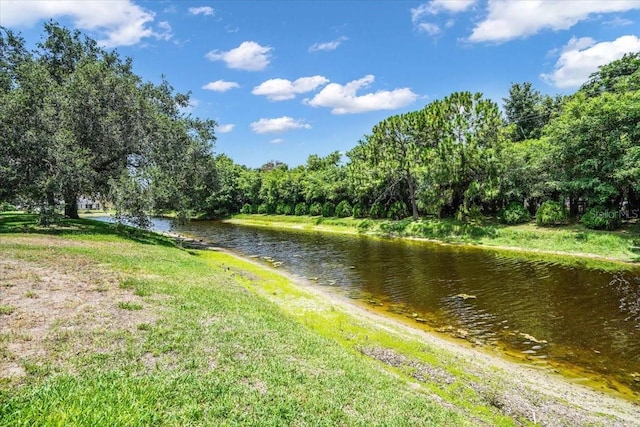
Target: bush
{"points": [[601, 218], [359, 210], [398, 210], [328, 209], [263, 208], [377, 211], [365, 225], [552, 213], [344, 209], [246, 209], [315, 209], [284, 209], [7, 207], [514, 213], [301, 209]]}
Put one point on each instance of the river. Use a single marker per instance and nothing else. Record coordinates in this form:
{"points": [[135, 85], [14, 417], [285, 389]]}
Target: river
{"points": [[584, 322]]}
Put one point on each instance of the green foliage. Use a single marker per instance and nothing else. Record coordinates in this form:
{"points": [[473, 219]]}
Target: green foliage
{"points": [[301, 209], [398, 210], [601, 218], [246, 209], [552, 213], [365, 225], [328, 209], [7, 207], [377, 211], [288, 209], [263, 208], [344, 209], [359, 210], [87, 121], [514, 213], [315, 209]]}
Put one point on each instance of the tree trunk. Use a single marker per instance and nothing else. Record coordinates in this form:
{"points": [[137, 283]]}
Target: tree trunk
{"points": [[71, 206], [412, 197]]}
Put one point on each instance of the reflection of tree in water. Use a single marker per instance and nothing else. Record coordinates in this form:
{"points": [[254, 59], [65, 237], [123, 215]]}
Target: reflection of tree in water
{"points": [[629, 292]]}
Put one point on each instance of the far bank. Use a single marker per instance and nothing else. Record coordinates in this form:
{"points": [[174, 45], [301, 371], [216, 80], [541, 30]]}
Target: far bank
{"points": [[571, 244]]}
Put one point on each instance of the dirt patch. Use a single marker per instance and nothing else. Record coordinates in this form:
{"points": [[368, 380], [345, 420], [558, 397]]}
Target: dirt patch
{"points": [[61, 306]]}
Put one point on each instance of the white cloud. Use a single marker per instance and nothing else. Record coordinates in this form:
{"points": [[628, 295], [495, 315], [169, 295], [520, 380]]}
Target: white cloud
{"points": [[204, 10], [277, 141], [332, 45], [342, 99], [429, 28], [508, 20], [282, 89], [248, 56], [281, 124], [116, 23], [618, 22], [581, 57], [225, 128], [220, 86], [435, 7], [422, 16]]}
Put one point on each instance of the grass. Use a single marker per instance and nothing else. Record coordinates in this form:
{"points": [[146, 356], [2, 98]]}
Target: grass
{"points": [[127, 305], [562, 243], [203, 351], [6, 309]]}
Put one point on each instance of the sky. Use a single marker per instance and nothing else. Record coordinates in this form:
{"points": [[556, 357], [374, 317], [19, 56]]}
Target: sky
{"points": [[287, 79]]}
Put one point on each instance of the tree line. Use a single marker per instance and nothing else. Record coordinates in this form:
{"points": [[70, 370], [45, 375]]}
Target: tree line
{"points": [[462, 156], [77, 121]]}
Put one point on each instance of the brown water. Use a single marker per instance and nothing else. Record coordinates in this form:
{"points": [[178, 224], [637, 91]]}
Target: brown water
{"points": [[584, 320]]}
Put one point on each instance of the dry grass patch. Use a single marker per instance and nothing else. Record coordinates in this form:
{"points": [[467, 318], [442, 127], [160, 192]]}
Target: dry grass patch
{"points": [[61, 306]]}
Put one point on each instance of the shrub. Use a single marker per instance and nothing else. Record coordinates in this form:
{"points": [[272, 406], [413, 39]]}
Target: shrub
{"points": [[377, 211], [328, 209], [398, 210], [601, 218], [263, 208], [7, 207], [514, 213], [287, 209], [301, 209], [315, 209], [359, 210], [551, 213], [365, 225], [344, 209], [246, 209]]}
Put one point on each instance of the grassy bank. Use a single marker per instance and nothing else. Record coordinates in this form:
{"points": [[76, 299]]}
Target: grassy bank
{"points": [[131, 330], [103, 325], [561, 243]]}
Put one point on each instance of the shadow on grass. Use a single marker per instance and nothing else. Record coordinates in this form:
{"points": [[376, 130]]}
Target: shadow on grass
{"points": [[12, 222]]}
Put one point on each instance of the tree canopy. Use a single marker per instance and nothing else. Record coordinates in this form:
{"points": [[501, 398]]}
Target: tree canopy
{"points": [[76, 121]]}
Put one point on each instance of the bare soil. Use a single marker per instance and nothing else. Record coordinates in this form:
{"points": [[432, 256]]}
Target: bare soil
{"points": [[59, 307]]}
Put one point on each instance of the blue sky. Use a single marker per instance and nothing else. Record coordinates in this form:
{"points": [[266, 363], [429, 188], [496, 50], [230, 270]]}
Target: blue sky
{"points": [[286, 79]]}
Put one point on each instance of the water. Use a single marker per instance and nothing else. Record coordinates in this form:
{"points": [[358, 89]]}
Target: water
{"points": [[558, 316]]}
